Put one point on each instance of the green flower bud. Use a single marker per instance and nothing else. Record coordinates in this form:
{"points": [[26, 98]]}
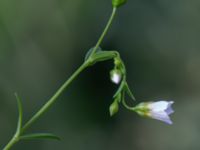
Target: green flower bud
{"points": [[114, 107], [118, 3], [117, 61]]}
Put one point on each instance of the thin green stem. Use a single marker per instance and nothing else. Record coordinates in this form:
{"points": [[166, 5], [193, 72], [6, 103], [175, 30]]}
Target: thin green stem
{"points": [[127, 106], [11, 143], [105, 30], [62, 88], [46, 106], [53, 99]]}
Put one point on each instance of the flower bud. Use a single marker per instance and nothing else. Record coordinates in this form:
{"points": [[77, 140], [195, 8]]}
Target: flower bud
{"points": [[114, 107], [115, 76], [118, 3], [117, 61]]}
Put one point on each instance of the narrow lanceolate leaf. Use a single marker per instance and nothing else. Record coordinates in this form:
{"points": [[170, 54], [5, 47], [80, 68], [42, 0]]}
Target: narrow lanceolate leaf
{"points": [[129, 92], [39, 136], [103, 56], [20, 110], [119, 89]]}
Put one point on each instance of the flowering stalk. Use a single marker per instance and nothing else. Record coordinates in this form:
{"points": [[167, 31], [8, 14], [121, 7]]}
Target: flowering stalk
{"points": [[92, 58], [105, 30], [157, 110]]}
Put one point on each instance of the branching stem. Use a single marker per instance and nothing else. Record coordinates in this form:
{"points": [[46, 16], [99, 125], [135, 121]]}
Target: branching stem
{"points": [[54, 98], [105, 30]]}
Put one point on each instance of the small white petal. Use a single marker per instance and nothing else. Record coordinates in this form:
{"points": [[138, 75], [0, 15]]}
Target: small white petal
{"points": [[169, 109], [161, 110], [162, 116], [159, 106]]}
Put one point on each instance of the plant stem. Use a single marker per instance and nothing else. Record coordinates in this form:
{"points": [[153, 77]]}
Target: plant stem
{"points": [[105, 30], [127, 106], [53, 99], [55, 96], [11, 143], [46, 106]]}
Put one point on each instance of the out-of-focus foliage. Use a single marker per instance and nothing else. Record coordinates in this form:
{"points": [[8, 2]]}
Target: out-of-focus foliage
{"points": [[43, 41]]}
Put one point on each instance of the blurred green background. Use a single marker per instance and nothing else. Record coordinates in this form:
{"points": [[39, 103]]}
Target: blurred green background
{"points": [[42, 42]]}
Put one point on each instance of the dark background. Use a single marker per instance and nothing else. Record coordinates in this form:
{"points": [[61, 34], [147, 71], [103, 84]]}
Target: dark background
{"points": [[42, 42]]}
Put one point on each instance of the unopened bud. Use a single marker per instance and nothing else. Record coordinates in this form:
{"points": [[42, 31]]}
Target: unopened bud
{"points": [[117, 61], [114, 107], [115, 76]]}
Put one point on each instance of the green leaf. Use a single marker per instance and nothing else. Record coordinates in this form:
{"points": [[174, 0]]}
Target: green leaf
{"points": [[90, 52], [20, 110], [103, 55], [129, 91], [99, 55], [39, 136]]}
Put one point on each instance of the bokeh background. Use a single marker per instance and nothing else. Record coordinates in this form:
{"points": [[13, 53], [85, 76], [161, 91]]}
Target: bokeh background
{"points": [[42, 42]]}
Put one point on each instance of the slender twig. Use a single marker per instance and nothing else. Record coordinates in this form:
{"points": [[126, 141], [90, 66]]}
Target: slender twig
{"points": [[54, 98], [105, 30]]}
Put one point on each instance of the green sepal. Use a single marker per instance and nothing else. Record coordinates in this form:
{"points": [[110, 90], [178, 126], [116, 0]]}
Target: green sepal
{"points": [[118, 3], [39, 136]]}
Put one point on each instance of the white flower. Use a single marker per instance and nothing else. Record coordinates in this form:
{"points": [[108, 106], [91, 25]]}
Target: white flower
{"points": [[116, 76], [157, 110]]}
